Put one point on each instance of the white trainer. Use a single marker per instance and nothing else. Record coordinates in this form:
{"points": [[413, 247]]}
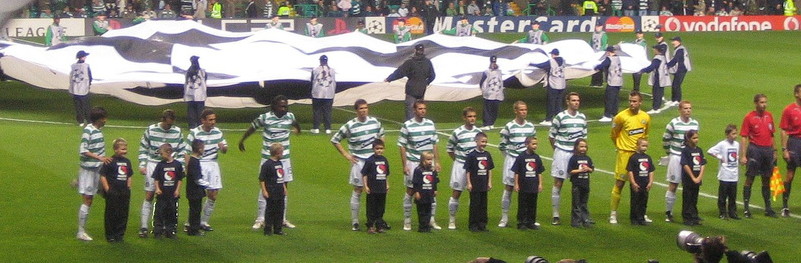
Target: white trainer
{"points": [[613, 217], [647, 220], [452, 223], [435, 226], [258, 225], [407, 224], [545, 123], [605, 119], [83, 236], [327, 131], [287, 224], [652, 111], [315, 131]]}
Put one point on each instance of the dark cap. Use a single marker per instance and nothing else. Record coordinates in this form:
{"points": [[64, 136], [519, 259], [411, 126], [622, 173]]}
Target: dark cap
{"points": [[401, 20], [194, 58], [323, 58], [493, 59], [554, 51], [610, 49], [638, 32], [676, 38], [419, 47], [81, 54], [599, 24], [660, 48], [101, 14], [464, 17], [535, 22], [658, 34], [361, 22]]}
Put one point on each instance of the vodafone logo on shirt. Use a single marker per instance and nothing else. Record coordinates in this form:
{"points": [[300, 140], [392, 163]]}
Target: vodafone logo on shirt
{"points": [[729, 23]]}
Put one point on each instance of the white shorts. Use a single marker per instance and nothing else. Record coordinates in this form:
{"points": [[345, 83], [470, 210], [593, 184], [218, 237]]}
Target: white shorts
{"points": [[508, 175], [559, 164], [407, 178], [210, 171], [88, 180], [150, 184], [356, 173], [287, 169], [458, 176], [674, 169]]}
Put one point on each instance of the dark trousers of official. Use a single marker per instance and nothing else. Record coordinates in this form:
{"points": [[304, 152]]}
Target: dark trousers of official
{"points": [[658, 93], [410, 100], [193, 111], [423, 215], [579, 213], [81, 108], [116, 216], [491, 111], [478, 210], [376, 205], [678, 78], [611, 101], [526, 209], [274, 215], [555, 98], [727, 198], [598, 78], [689, 202], [165, 218], [637, 77], [321, 109], [639, 204], [195, 207]]}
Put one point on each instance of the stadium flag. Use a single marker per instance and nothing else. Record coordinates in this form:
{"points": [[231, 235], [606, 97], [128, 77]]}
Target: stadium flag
{"points": [[776, 183]]}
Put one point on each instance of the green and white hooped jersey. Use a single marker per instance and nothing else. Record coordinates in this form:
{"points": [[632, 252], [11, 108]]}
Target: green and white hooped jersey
{"points": [[91, 141], [360, 135], [154, 137], [211, 139], [566, 129], [513, 137], [417, 137], [462, 141], [276, 130], [673, 138]]}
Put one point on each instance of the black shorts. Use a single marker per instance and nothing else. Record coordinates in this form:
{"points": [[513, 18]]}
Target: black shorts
{"points": [[794, 147], [760, 160]]}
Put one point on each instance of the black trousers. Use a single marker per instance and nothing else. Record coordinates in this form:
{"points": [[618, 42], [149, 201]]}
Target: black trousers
{"points": [[689, 202], [637, 80], [526, 209], [321, 109], [81, 108], [639, 204], [274, 214], [195, 207], [678, 78], [727, 193], [491, 111], [478, 210], [611, 101], [116, 216], [658, 93], [376, 205], [410, 100], [165, 218], [555, 98], [423, 215], [579, 212], [193, 111]]}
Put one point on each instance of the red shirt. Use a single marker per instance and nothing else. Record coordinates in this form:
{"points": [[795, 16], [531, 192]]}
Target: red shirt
{"points": [[791, 120], [758, 129]]}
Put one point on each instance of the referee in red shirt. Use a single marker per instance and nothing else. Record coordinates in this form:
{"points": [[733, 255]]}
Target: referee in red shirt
{"points": [[757, 151], [791, 143]]}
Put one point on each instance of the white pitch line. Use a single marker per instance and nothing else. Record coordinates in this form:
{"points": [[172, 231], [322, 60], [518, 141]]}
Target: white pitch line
{"points": [[383, 119]]}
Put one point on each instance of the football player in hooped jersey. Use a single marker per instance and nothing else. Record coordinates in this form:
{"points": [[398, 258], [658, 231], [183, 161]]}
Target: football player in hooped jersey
{"points": [[93, 156], [277, 124], [360, 132], [566, 128], [461, 142], [214, 143], [513, 142], [417, 135]]}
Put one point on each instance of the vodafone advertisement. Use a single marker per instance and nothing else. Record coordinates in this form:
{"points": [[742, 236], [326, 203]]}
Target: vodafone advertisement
{"points": [[729, 23]]}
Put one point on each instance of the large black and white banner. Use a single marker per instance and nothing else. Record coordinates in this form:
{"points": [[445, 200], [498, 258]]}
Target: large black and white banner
{"points": [[145, 64]]}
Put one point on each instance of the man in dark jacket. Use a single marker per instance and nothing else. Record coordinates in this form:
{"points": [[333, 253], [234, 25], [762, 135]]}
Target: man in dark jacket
{"points": [[429, 14], [420, 73]]}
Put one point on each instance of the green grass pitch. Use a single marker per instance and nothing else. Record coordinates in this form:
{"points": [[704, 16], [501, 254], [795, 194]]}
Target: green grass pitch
{"points": [[38, 160]]}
